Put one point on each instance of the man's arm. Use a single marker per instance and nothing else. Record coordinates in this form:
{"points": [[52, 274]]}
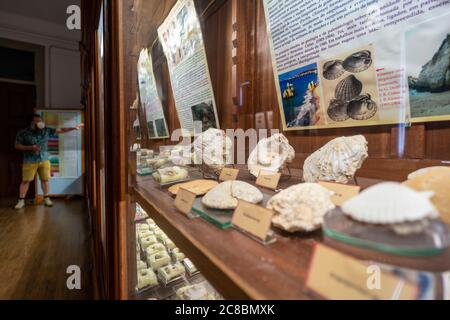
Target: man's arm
{"points": [[65, 130], [21, 147]]}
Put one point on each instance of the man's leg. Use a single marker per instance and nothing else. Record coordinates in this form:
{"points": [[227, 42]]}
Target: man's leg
{"points": [[44, 175], [28, 174]]}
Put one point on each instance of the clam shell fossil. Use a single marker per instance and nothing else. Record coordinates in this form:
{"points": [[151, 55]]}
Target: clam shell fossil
{"points": [[227, 195], [271, 154], [337, 110], [358, 61], [390, 203], [348, 88], [436, 169], [362, 108], [212, 148], [337, 160], [333, 69], [438, 181], [301, 207]]}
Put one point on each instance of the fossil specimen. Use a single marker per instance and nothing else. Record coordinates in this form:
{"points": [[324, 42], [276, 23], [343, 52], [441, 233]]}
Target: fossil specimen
{"points": [[213, 149], [271, 154], [199, 187], [436, 169], [362, 108], [337, 160], [170, 174], [337, 110], [333, 69], [437, 181], [301, 207], [348, 88], [393, 204], [358, 61], [227, 195]]}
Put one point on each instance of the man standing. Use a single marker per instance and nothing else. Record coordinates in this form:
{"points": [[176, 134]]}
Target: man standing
{"points": [[33, 142]]}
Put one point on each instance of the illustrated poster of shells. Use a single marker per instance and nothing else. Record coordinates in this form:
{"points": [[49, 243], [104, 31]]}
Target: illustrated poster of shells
{"points": [[349, 87]]}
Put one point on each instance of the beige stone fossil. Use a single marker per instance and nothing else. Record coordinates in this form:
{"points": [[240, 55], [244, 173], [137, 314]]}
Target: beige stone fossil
{"points": [[227, 195], [337, 161], [300, 207], [213, 148], [271, 154]]}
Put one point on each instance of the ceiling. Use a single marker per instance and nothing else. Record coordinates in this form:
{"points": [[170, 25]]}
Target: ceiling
{"points": [[49, 10]]}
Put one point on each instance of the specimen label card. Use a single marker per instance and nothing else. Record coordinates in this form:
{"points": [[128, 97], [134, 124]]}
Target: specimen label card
{"points": [[336, 276], [359, 63], [342, 192], [228, 174], [181, 38], [253, 219], [268, 179], [184, 201]]}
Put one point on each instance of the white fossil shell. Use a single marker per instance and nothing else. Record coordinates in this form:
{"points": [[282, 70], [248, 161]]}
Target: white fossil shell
{"points": [[423, 171], [271, 154], [301, 207], [390, 203], [213, 148], [227, 195], [336, 161]]}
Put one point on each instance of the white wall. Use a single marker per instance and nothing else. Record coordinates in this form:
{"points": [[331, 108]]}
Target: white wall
{"points": [[62, 59]]}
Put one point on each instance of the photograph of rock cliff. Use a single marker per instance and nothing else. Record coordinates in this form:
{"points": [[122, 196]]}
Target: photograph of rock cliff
{"points": [[428, 70]]}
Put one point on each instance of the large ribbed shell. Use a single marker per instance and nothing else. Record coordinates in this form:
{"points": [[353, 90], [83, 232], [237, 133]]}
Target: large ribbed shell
{"points": [[333, 69], [271, 154], [362, 108], [348, 88], [337, 110], [213, 148], [358, 61], [337, 161], [390, 203], [300, 207]]}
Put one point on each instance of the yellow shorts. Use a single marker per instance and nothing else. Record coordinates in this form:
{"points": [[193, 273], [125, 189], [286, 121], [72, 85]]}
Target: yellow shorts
{"points": [[42, 168]]}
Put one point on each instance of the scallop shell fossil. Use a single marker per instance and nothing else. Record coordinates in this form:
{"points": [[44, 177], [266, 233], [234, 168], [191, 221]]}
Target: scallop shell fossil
{"points": [[227, 195], [338, 160], [348, 88], [300, 207], [271, 154], [358, 61], [337, 111], [390, 203], [213, 149], [362, 108], [333, 69]]}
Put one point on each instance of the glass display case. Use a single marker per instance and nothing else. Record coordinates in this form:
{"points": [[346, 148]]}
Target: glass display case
{"points": [[312, 123]]}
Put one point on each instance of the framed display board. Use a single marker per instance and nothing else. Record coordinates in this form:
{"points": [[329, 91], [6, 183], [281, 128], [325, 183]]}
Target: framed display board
{"points": [[66, 152]]}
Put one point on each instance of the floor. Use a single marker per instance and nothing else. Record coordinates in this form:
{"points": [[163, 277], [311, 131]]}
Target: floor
{"points": [[38, 244]]}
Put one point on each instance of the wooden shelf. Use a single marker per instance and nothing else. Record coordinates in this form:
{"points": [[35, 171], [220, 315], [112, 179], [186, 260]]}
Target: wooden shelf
{"points": [[241, 268]]}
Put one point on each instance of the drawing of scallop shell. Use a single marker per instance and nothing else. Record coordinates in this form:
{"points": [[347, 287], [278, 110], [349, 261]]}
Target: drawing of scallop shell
{"points": [[390, 203], [358, 61], [337, 110], [362, 108], [348, 88], [333, 69]]}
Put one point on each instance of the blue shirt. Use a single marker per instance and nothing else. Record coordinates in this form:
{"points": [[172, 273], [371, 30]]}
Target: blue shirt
{"points": [[30, 137]]}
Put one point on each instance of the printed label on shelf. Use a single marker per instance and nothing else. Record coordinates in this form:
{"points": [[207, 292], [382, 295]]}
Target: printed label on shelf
{"points": [[268, 179], [228, 174], [185, 201], [342, 192], [336, 276], [253, 219]]}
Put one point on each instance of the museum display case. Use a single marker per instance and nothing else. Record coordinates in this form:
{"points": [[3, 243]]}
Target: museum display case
{"points": [[277, 155]]}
